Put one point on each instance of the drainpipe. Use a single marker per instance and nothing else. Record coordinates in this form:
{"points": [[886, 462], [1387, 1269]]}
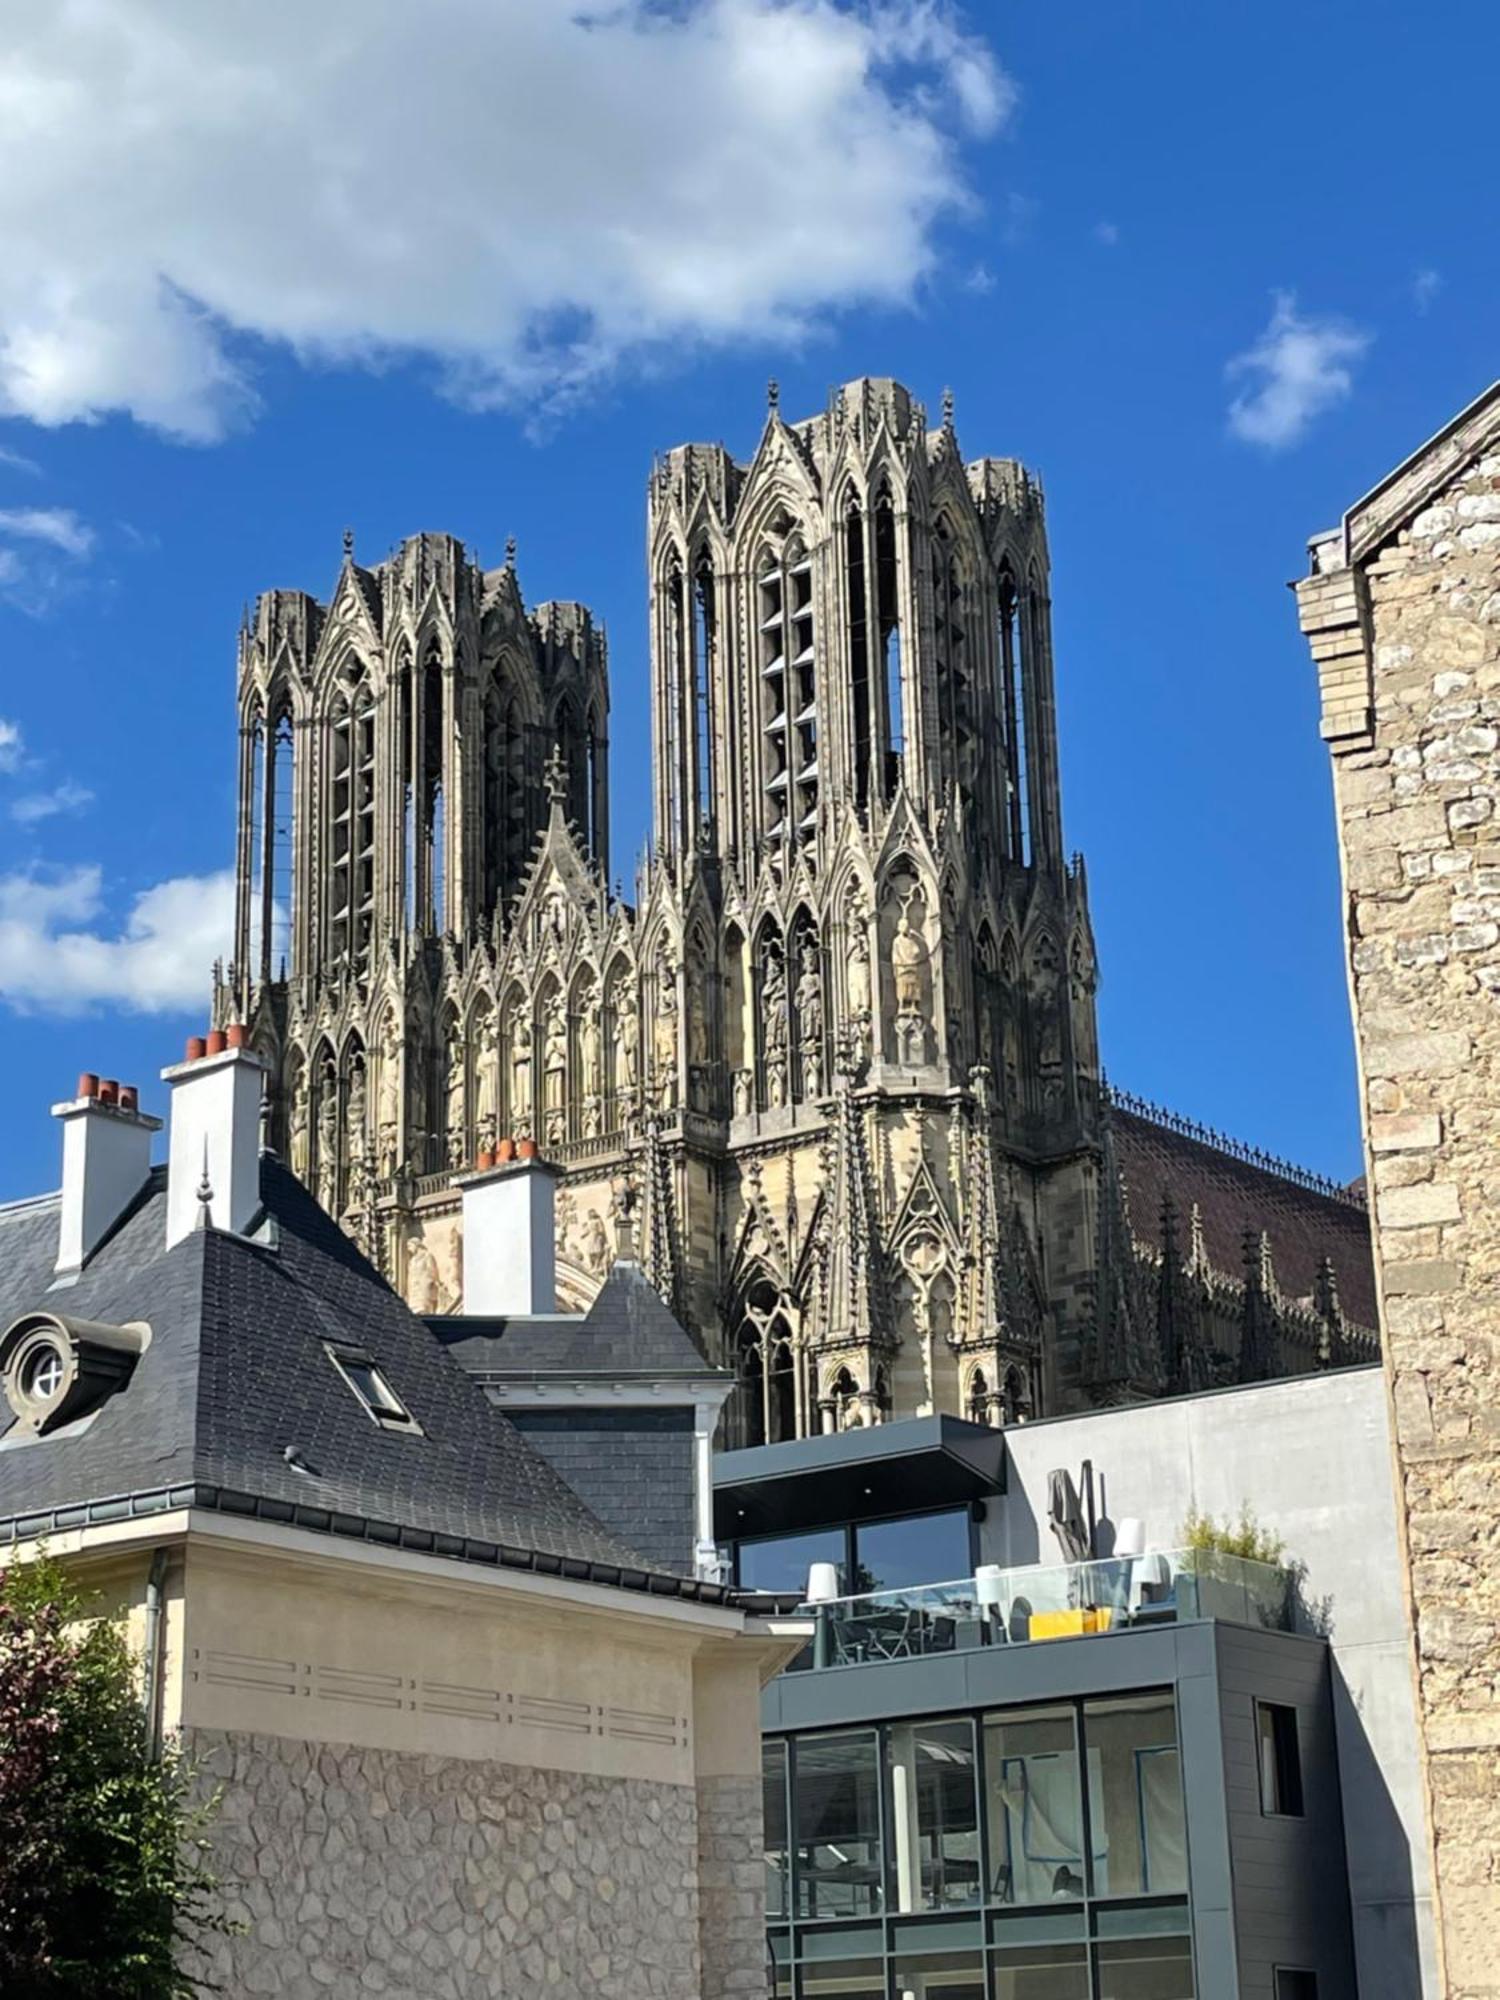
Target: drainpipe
{"points": [[151, 1691]]}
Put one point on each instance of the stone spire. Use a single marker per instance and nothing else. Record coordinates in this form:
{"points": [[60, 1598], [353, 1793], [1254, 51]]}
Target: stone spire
{"points": [[1258, 1311], [855, 1308], [658, 1231]]}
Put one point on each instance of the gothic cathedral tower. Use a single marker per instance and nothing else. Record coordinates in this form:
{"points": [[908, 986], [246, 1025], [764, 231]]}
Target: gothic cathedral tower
{"points": [[833, 1077]]}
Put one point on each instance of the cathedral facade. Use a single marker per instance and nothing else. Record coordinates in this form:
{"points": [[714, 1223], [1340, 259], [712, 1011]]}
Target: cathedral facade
{"points": [[832, 1076]]}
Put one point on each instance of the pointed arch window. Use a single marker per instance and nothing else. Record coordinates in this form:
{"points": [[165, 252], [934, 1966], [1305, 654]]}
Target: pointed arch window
{"points": [[430, 840], [788, 690], [856, 587], [954, 667], [281, 792], [705, 777], [1013, 659], [888, 636]]}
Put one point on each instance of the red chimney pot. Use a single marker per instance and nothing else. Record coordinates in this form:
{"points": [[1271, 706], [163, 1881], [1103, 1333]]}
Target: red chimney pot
{"points": [[486, 1158], [88, 1083], [197, 1048], [238, 1035], [216, 1042], [526, 1149], [506, 1150], [130, 1097], [109, 1091]]}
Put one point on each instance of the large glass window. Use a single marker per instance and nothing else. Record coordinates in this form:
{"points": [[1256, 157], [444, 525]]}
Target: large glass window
{"points": [[1145, 1969], [1065, 1821], [838, 1859], [933, 1808], [922, 1548], [773, 1793], [1137, 1830], [1035, 1806], [781, 1562]]}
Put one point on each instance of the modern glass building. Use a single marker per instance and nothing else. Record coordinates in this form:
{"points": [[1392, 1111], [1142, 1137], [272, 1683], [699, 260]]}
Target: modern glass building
{"points": [[1113, 1779]]}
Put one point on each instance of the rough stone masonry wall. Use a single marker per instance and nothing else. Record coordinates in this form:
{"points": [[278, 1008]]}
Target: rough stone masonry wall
{"points": [[359, 1872], [1408, 646]]}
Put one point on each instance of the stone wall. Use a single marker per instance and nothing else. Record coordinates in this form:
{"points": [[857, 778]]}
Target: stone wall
{"points": [[731, 1887], [1403, 614], [359, 1871]]}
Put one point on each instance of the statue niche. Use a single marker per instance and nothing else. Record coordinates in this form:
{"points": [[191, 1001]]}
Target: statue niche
{"points": [[903, 921]]}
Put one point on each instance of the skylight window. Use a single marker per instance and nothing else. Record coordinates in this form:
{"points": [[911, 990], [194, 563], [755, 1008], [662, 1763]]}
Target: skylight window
{"points": [[380, 1401]]}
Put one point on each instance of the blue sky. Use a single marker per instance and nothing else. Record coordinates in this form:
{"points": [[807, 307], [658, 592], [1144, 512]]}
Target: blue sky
{"points": [[235, 318]]}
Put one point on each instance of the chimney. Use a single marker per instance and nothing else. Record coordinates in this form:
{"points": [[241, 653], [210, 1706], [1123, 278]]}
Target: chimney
{"points": [[106, 1158], [510, 1244], [215, 1135]]}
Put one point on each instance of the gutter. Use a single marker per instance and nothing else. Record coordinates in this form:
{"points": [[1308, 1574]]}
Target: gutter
{"points": [[152, 1679]]}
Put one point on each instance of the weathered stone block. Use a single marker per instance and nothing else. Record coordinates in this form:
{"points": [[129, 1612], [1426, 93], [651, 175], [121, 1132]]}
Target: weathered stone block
{"points": [[1409, 1207]]}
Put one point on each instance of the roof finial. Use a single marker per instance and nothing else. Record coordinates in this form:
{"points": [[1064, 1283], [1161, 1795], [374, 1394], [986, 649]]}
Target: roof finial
{"points": [[510, 551], [205, 1194], [348, 545], [947, 409], [773, 394]]}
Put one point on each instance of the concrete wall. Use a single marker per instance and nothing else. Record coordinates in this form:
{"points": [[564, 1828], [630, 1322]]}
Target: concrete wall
{"points": [[1312, 1458], [1402, 614]]}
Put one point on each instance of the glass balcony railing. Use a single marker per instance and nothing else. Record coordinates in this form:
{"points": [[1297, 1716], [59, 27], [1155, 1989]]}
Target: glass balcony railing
{"points": [[999, 1606]]}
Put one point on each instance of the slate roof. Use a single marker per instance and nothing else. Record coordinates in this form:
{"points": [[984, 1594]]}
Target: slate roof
{"points": [[628, 1330], [1304, 1222], [236, 1372]]}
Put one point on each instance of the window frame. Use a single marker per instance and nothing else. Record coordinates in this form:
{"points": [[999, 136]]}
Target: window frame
{"points": [[1286, 1741], [395, 1416]]}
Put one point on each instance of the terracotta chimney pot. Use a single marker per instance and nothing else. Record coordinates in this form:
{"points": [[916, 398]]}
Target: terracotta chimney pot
{"points": [[197, 1049], [88, 1083], [505, 1151], [237, 1035], [217, 1042]]}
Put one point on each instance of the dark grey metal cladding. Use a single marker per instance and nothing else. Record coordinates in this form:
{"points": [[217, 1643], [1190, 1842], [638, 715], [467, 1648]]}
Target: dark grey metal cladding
{"points": [[1291, 1882], [1249, 1914], [899, 1468]]}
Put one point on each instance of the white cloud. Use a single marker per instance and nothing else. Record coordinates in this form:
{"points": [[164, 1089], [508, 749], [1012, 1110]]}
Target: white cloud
{"points": [[18, 461], [59, 956], [525, 195], [64, 798], [980, 279], [11, 746], [60, 527], [1299, 367], [1425, 286]]}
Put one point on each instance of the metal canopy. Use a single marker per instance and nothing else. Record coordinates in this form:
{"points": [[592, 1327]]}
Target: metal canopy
{"points": [[900, 1468]]}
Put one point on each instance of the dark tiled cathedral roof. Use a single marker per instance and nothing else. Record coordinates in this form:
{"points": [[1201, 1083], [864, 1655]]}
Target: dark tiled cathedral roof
{"points": [[1304, 1219]]}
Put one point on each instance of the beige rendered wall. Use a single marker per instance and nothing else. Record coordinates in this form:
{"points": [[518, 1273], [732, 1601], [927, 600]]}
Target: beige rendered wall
{"points": [[435, 1788], [1403, 615]]}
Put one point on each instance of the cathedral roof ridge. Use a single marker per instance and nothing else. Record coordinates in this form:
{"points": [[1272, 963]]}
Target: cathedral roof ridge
{"points": [[1236, 1149]]}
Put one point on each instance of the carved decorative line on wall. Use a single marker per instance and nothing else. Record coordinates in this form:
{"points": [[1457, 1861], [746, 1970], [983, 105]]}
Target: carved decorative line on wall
{"points": [[245, 1670], [574, 1718], [349, 1684], [642, 1726], [429, 1697]]}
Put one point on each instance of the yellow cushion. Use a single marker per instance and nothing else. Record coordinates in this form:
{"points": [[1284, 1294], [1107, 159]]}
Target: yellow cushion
{"points": [[1067, 1624]]}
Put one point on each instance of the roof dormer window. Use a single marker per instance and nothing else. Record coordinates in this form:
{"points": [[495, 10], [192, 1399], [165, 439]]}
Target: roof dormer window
{"points": [[381, 1403]]}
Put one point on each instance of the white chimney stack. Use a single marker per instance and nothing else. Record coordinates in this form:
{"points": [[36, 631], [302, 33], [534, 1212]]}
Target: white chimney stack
{"points": [[215, 1135], [106, 1158], [510, 1243]]}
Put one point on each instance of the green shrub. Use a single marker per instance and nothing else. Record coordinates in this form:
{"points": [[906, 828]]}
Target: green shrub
{"points": [[103, 1877], [1245, 1537]]}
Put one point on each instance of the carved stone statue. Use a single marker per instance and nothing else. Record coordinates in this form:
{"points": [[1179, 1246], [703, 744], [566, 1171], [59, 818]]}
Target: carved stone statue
{"points": [[861, 1005], [453, 1122], [520, 1073], [299, 1134], [485, 1084], [664, 1038], [909, 982], [555, 1054], [595, 1244], [354, 1117], [423, 1282], [388, 1099], [589, 1048], [773, 1004], [744, 1092], [628, 1030], [328, 1144]]}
